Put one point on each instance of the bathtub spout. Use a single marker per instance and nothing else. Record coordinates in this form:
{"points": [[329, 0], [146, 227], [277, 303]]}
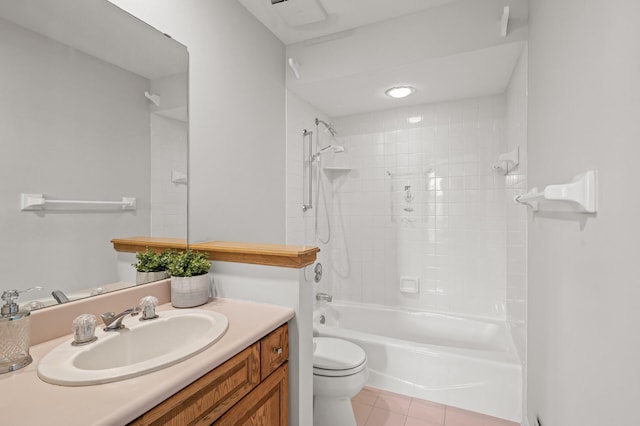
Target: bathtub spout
{"points": [[324, 297]]}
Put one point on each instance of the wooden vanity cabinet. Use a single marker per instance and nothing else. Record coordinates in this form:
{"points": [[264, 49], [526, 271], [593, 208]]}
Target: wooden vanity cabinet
{"points": [[251, 388]]}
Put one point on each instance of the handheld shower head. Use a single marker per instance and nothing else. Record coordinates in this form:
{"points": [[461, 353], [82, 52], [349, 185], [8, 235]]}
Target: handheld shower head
{"points": [[335, 148], [329, 127]]}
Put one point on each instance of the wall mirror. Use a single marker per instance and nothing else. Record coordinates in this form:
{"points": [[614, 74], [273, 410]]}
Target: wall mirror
{"points": [[94, 108]]}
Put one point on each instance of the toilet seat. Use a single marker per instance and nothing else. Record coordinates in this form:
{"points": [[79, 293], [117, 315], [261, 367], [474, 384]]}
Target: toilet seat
{"points": [[337, 358]]}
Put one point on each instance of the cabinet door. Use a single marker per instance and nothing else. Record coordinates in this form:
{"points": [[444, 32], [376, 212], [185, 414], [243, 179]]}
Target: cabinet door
{"points": [[210, 396], [274, 350], [266, 405]]}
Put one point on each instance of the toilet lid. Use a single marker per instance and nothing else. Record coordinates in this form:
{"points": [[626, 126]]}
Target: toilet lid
{"points": [[336, 354]]}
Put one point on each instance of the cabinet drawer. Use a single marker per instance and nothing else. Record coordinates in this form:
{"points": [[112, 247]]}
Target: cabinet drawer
{"points": [[210, 396], [268, 404], [274, 350]]}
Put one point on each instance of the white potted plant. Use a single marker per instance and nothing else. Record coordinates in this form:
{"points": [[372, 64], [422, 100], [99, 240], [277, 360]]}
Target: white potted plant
{"points": [[151, 266], [189, 272]]}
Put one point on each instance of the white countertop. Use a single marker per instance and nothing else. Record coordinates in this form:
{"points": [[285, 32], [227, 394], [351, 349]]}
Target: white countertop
{"points": [[27, 400]]}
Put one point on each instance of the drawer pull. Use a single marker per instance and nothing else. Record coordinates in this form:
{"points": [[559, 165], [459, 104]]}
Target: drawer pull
{"points": [[277, 351]]}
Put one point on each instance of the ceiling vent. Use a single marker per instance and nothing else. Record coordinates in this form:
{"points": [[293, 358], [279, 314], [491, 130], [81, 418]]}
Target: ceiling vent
{"points": [[296, 13]]}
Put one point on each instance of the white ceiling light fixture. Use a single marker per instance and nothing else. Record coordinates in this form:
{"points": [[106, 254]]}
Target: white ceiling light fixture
{"points": [[400, 91]]}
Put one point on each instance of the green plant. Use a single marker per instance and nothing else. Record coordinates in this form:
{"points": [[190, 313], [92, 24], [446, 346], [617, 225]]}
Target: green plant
{"points": [[150, 261], [188, 263]]}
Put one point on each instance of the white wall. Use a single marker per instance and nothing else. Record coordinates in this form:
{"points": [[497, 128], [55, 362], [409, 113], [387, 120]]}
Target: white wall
{"points": [[583, 292], [73, 127], [284, 287], [454, 240], [516, 183], [236, 117], [516, 216]]}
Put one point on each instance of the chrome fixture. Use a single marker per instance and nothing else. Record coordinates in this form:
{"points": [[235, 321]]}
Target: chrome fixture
{"points": [[317, 272], [322, 319], [408, 198], [59, 296], [114, 322], [306, 133], [313, 157], [335, 148], [323, 297], [98, 290], [316, 157], [148, 306], [84, 328], [328, 126]]}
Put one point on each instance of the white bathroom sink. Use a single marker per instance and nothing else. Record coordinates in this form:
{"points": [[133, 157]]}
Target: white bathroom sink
{"points": [[142, 347]]}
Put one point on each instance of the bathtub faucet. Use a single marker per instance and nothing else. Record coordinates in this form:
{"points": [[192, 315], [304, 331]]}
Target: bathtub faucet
{"points": [[324, 297]]}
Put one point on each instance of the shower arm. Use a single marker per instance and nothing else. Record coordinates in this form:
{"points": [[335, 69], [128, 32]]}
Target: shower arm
{"points": [[306, 133]]}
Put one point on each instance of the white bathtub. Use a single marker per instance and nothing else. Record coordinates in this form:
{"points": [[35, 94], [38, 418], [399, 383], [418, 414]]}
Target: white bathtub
{"points": [[463, 362]]}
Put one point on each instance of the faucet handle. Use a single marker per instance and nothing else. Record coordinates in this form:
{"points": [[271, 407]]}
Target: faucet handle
{"points": [[148, 305], [83, 328]]}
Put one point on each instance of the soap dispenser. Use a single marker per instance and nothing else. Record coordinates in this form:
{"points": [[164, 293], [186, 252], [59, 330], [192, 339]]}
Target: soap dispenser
{"points": [[14, 334]]}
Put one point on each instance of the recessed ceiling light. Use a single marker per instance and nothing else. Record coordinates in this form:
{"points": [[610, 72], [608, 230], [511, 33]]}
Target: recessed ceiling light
{"points": [[400, 91], [414, 119]]}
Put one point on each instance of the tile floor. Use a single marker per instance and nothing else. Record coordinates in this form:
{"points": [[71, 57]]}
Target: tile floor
{"points": [[374, 407]]}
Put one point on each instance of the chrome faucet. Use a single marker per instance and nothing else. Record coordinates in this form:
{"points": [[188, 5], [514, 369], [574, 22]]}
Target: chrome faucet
{"points": [[324, 297], [59, 296], [114, 322]]}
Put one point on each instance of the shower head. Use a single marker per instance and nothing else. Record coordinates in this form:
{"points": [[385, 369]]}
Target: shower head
{"points": [[328, 126], [334, 148]]}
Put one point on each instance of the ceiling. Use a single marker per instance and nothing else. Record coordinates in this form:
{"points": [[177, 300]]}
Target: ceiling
{"points": [[89, 26], [340, 15], [348, 52], [473, 74]]}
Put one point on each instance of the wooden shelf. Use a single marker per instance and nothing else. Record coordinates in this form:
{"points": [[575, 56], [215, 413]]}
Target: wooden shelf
{"points": [[136, 244], [260, 254]]}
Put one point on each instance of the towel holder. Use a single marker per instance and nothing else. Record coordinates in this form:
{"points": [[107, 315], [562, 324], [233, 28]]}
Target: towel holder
{"points": [[30, 202], [580, 193]]}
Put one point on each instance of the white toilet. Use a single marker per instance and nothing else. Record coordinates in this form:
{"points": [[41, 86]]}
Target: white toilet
{"points": [[339, 373]]}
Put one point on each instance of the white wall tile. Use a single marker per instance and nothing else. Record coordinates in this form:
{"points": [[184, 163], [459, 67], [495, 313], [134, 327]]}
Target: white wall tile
{"points": [[455, 239]]}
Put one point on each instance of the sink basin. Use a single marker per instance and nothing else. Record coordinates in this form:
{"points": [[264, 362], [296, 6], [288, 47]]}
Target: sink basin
{"points": [[142, 347]]}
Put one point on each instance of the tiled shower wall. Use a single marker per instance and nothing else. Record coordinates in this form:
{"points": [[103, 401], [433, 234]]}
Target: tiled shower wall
{"points": [[169, 155], [452, 233], [168, 199]]}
